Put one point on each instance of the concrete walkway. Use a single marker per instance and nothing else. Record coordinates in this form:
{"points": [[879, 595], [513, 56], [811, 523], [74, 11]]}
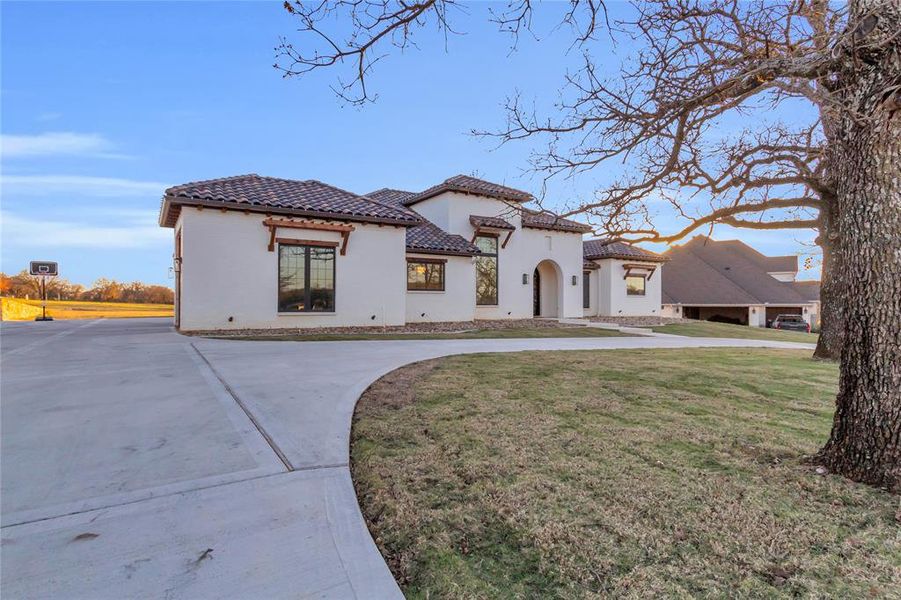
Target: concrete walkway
{"points": [[143, 464]]}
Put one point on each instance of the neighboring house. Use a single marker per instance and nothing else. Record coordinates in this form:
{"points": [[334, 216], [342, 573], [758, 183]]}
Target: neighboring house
{"points": [[261, 252], [731, 282]]}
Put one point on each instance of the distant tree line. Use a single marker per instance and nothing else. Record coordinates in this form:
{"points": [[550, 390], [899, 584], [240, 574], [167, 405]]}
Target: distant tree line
{"points": [[25, 285]]}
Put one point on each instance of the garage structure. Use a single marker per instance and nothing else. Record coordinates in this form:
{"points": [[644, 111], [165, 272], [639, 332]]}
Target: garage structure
{"points": [[730, 282]]}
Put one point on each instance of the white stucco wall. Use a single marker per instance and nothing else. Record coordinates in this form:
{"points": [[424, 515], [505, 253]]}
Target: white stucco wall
{"points": [[672, 310], [757, 315], [611, 289], [525, 250], [455, 303], [227, 271]]}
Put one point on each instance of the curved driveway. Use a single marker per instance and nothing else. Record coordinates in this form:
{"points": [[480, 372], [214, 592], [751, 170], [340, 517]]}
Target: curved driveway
{"points": [[140, 463]]}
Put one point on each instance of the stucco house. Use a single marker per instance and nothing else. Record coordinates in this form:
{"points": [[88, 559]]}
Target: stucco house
{"points": [[730, 281], [256, 252]]}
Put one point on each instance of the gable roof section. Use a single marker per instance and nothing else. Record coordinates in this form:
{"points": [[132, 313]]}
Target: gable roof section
{"points": [[600, 249], [289, 197], [689, 280], [705, 271], [809, 290], [426, 237], [770, 264], [471, 185]]}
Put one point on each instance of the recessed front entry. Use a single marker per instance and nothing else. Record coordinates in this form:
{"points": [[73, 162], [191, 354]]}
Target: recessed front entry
{"points": [[546, 292]]}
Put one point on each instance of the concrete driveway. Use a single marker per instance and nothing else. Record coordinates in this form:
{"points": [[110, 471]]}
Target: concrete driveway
{"points": [[143, 464]]}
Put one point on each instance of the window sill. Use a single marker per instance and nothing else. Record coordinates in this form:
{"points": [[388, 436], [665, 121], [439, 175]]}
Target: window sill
{"points": [[306, 313], [426, 291]]}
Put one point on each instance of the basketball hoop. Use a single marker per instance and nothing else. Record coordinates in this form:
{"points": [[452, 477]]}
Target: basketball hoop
{"points": [[43, 269]]}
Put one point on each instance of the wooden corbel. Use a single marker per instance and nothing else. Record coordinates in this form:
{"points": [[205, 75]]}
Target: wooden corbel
{"points": [[649, 268], [342, 228]]}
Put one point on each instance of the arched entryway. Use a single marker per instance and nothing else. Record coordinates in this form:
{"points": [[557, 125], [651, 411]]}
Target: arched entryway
{"points": [[546, 290]]}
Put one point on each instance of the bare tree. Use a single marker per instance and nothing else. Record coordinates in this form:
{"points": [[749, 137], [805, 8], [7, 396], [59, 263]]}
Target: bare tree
{"points": [[698, 64]]}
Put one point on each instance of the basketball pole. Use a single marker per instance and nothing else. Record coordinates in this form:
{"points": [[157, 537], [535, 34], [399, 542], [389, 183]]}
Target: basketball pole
{"points": [[44, 298]]}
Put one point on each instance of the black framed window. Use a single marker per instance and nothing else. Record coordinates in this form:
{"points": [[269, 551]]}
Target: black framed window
{"points": [[635, 285], [586, 289], [486, 270], [306, 278], [425, 275]]}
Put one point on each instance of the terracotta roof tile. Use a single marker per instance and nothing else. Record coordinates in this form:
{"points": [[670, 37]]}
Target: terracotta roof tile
{"points": [[471, 185], [492, 222], [426, 237], [545, 220], [598, 249], [284, 196]]}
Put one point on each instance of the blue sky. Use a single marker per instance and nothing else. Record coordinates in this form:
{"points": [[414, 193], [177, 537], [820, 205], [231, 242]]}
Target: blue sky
{"points": [[106, 104]]}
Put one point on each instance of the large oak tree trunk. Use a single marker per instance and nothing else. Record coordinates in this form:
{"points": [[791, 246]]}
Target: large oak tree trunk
{"points": [[865, 443], [829, 344]]}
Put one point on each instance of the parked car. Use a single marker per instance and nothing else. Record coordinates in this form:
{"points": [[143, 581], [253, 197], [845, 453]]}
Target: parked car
{"points": [[791, 323]]}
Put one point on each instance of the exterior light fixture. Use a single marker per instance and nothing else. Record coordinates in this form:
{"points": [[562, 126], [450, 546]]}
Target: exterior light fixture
{"points": [[575, 280], [525, 279]]}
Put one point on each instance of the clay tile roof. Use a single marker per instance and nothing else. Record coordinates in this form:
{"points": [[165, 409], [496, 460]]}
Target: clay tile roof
{"points": [[544, 220], [283, 196], [598, 249], [492, 222], [426, 238], [431, 239], [471, 185]]}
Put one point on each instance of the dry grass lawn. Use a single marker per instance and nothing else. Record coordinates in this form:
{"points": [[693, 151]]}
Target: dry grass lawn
{"points": [[73, 309], [725, 330], [645, 473]]}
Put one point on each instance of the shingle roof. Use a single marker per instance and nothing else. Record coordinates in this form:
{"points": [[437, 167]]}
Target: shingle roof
{"points": [[545, 220], [599, 249], [809, 290], [771, 264], [705, 271], [492, 222], [426, 237], [471, 185], [283, 196]]}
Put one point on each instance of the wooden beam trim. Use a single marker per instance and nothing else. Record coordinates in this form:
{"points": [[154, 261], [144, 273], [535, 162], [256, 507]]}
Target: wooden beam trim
{"points": [[629, 267], [339, 227], [507, 239], [479, 231], [293, 242], [436, 261], [342, 228]]}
